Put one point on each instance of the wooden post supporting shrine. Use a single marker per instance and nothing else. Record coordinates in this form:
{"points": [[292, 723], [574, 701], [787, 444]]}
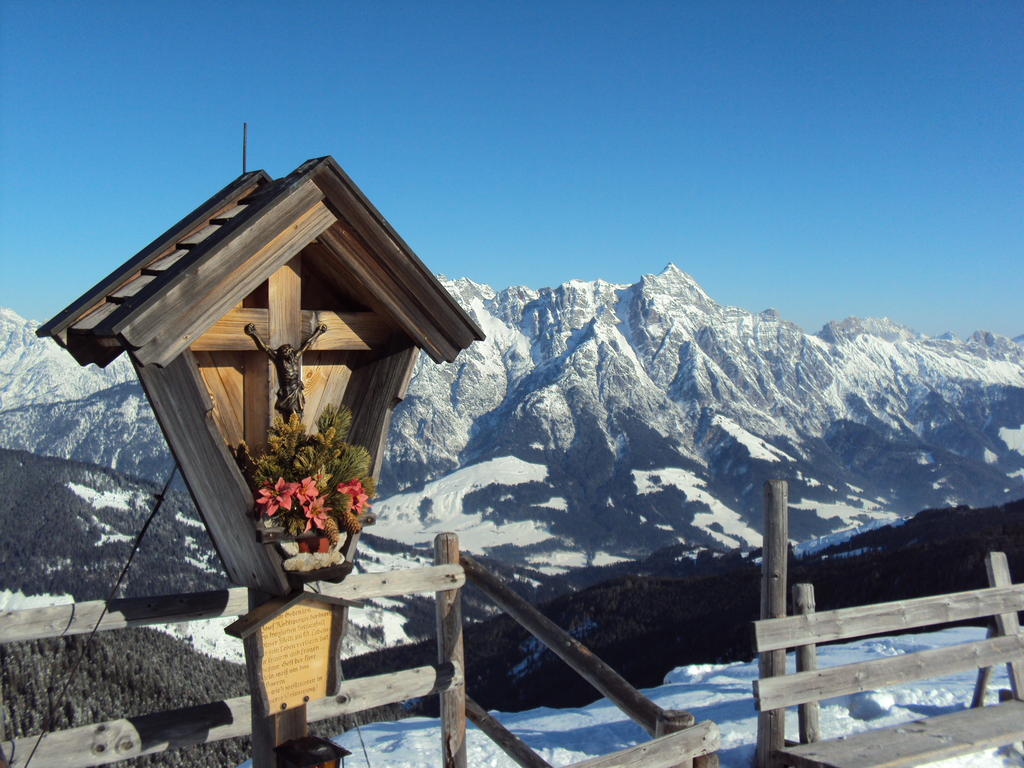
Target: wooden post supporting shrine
{"points": [[771, 733], [450, 649]]}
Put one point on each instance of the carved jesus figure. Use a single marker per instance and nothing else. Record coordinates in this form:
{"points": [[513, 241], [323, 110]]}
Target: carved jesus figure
{"points": [[288, 364]]}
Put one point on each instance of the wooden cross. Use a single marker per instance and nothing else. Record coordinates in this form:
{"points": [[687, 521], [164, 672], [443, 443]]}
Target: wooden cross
{"points": [[245, 397]]}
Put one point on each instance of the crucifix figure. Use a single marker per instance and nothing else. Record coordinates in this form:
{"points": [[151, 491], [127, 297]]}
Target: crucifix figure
{"points": [[288, 364]]}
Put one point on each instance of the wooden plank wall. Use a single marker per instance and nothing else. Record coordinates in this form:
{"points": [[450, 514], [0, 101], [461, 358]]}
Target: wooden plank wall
{"points": [[184, 409]]}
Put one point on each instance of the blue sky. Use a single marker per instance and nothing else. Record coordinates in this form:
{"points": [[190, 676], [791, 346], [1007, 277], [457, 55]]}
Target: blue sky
{"points": [[823, 158]]}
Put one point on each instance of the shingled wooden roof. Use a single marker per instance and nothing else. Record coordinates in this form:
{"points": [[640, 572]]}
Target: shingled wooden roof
{"points": [[173, 291]]}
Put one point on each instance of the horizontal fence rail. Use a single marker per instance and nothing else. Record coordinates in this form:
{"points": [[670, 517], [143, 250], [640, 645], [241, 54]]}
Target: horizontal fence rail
{"points": [[776, 692], [81, 618], [665, 752], [879, 618], [110, 742]]}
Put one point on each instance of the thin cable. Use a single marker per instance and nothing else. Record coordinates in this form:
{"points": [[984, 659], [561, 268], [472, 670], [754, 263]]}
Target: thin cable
{"points": [[106, 603]]}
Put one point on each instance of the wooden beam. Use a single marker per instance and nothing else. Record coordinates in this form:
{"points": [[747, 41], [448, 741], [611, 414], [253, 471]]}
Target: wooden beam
{"points": [[257, 400], [450, 649], [325, 377], [915, 743], [116, 740], [673, 721], [372, 393], [222, 200], [224, 374], [393, 254], [80, 618], [701, 739], [347, 331], [606, 680], [510, 744], [224, 500], [771, 722], [212, 288], [284, 295], [1007, 623], [881, 618], [349, 257], [777, 692], [228, 333]]}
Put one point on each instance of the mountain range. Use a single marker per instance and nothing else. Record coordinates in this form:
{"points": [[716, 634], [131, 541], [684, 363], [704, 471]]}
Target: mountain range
{"points": [[599, 422]]}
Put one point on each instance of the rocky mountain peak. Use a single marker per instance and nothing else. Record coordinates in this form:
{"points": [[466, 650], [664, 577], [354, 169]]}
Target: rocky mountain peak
{"points": [[880, 327], [34, 370]]}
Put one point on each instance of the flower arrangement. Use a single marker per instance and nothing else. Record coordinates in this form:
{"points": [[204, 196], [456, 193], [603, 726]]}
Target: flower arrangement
{"points": [[312, 482]]}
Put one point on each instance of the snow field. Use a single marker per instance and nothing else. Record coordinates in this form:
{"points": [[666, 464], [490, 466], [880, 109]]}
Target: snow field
{"points": [[401, 518], [718, 692], [734, 533]]}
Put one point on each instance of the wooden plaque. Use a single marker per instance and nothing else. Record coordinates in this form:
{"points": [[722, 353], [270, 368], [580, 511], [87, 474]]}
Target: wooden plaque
{"points": [[292, 649], [296, 662]]}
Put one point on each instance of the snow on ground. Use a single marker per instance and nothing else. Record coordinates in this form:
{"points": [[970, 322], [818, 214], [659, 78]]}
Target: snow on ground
{"points": [[107, 532], [18, 601], [103, 499], [416, 517], [854, 510], [557, 562], [818, 543], [1014, 438], [758, 448], [208, 636], [555, 502], [734, 532], [718, 692]]}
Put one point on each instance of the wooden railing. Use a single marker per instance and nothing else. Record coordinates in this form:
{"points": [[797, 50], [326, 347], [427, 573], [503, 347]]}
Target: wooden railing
{"points": [[678, 741]]}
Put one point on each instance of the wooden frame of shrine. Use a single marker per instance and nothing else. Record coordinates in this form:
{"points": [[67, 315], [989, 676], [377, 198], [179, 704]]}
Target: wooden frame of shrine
{"points": [[277, 259]]}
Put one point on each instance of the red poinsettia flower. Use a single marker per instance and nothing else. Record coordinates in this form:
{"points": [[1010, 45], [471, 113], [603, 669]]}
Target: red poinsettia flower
{"points": [[360, 499], [316, 513], [278, 496], [307, 490]]}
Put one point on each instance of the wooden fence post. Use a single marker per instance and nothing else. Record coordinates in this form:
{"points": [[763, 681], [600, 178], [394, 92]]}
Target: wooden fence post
{"points": [[806, 660], [998, 570], [450, 649], [771, 733], [673, 721]]}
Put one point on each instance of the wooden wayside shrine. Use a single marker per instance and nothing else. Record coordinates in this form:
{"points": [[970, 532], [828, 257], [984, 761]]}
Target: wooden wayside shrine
{"points": [[283, 258], [289, 296]]}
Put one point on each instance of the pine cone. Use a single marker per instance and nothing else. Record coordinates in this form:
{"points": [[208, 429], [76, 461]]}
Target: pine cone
{"points": [[331, 529], [351, 523]]}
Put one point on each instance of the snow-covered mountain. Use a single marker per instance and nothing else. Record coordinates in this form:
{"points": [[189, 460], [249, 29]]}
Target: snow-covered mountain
{"points": [[32, 371], [620, 415], [599, 421]]}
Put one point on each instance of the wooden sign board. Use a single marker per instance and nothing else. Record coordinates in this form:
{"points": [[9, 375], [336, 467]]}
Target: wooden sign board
{"points": [[292, 650], [295, 667]]}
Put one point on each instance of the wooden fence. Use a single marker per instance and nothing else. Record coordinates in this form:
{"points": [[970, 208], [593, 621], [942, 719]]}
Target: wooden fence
{"points": [[678, 740]]}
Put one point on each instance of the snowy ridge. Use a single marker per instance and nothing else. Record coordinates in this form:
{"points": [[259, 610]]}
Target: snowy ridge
{"points": [[591, 383], [34, 370], [601, 382]]}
